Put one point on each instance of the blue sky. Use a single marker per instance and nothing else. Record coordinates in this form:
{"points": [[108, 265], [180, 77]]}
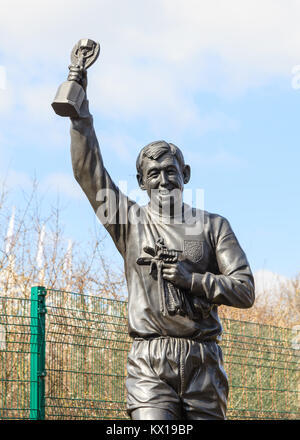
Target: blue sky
{"points": [[215, 78]]}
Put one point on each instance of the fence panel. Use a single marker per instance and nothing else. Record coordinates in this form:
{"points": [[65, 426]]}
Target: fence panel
{"points": [[86, 355], [14, 357], [86, 344], [262, 364], [87, 349]]}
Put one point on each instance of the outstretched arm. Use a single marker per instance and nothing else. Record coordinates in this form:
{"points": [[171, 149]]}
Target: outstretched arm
{"points": [[86, 157], [85, 152], [104, 196], [87, 160]]}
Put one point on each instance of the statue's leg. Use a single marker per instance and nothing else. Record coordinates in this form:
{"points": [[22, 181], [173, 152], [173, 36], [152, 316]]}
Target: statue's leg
{"points": [[206, 391], [153, 380], [197, 414], [153, 414]]}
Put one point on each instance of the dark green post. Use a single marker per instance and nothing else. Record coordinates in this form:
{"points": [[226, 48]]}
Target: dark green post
{"points": [[37, 353]]}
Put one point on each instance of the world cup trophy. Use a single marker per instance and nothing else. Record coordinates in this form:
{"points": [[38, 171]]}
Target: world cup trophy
{"points": [[70, 94]]}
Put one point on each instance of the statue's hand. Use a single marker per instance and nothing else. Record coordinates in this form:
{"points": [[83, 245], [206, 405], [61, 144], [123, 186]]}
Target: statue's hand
{"points": [[79, 75], [180, 274]]}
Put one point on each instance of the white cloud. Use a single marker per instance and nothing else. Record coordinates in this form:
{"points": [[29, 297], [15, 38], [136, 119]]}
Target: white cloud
{"points": [[220, 157], [156, 54], [120, 144], [6, 100], [59, 183], [37, 100], [13, 179], [269, 285], [63, 184], [2, 78]]}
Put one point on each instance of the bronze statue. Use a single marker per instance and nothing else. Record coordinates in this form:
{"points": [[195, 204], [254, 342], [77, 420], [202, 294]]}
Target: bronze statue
{"points": [[180, 262]]}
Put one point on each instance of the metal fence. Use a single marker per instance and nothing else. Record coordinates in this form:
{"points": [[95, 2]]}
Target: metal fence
{"points": [[63, 356], [15, 353]]}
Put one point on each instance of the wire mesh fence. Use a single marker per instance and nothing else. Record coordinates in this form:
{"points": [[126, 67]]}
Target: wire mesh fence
{"points": [[15, 352], [86, 345], [262, 363], [86, 355]]}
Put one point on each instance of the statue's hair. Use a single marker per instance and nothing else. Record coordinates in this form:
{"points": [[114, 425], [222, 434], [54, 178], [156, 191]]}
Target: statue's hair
{"points": [[156, 149]]}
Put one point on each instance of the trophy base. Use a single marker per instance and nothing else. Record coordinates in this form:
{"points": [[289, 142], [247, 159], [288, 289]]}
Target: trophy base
{"points": [[68, 99]]}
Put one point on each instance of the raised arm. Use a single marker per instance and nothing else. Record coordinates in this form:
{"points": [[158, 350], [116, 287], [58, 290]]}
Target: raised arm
{"points": [[86, 157], [110, 205]]}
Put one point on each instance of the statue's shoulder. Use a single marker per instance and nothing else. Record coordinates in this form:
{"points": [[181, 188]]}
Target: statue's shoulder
{"points": [[209, 217], [216, 224], [215, 218]]}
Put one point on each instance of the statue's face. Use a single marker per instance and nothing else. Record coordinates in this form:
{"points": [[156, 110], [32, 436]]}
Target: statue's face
{"points": [[162, 178]]}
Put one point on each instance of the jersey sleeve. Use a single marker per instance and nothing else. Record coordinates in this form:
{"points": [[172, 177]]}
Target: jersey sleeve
{"points": [[234, 286]]}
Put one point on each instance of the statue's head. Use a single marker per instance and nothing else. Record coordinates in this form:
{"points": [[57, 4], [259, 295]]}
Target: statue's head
{"points": [[161, 167]]}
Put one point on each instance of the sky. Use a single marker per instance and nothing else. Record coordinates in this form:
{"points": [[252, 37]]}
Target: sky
{"points": [[220, 79]]}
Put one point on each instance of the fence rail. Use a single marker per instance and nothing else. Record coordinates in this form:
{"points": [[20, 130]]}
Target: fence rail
{"points": [[63, 356]]}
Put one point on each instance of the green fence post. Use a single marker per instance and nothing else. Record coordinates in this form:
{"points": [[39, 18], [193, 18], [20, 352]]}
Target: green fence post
{"points": [[37, 353]]}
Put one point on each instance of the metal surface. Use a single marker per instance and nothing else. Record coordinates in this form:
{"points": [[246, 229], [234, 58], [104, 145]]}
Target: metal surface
{"points": [[37, 354], [15, 351], [70, 94], [87, 346], [85, 53]]}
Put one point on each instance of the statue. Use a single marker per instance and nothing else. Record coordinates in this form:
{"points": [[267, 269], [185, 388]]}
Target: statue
{"points": [[181, 264]]}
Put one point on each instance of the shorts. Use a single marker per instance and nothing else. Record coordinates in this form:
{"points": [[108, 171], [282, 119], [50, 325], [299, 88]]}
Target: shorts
{"points": [[180, 375]]}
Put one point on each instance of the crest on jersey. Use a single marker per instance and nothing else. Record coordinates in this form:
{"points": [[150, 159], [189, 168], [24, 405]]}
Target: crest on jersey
{"points": [[193, 250]]}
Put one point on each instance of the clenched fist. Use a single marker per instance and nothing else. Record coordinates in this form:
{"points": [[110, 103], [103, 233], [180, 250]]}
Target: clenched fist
{"points": [[79, 75], [180, 274]]}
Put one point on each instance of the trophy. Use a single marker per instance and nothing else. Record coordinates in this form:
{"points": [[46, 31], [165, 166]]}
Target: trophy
{"points": [[70, 94]]}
